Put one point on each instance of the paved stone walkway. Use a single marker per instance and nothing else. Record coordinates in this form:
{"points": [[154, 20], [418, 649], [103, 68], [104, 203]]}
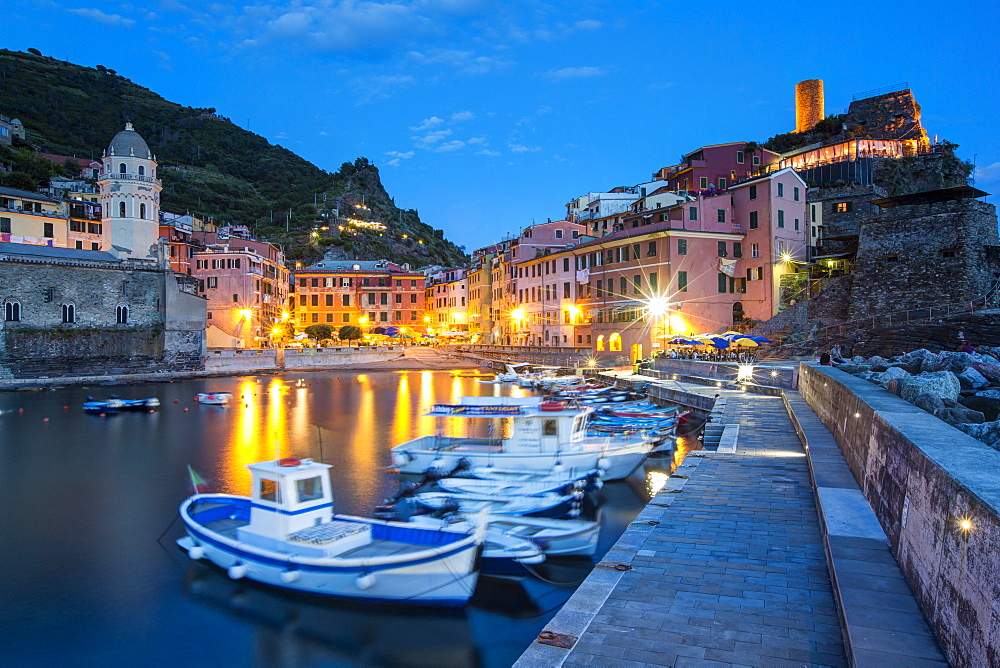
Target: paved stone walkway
{"points": [[734, 573]]}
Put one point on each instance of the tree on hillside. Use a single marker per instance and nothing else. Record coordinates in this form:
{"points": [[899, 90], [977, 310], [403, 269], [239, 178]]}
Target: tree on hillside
{"points": [[350, 333], [319, 332]]}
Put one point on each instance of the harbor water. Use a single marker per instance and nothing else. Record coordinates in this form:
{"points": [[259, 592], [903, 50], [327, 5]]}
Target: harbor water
{"points": [[92, 576]]}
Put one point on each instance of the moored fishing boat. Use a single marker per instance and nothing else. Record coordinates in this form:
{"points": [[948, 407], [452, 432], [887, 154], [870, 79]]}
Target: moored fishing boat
{"points": [[538, 439], [494, 487], [503, 554], [214, 398], [554, 537], [285, 534], [539, 505]]}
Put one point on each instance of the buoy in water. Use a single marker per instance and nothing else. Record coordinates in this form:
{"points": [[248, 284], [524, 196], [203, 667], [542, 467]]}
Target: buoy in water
{"points": [[45, 419], [185, 409], [65, 408]]}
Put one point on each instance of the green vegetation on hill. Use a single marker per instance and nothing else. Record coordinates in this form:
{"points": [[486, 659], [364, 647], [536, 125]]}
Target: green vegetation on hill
{"points": [[210, 167]]}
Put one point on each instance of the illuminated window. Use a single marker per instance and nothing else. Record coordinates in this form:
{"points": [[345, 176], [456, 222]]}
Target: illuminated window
{"points": [[615, 342], [269, 490], [842, 207], [600, 342]]}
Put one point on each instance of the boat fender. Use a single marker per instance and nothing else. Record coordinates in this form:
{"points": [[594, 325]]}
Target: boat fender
{"points": [[603, 463], [573, 513], [598, 483], [237, 571], [578, 494], [365, 581], [436, 465], [289, 576], [401, 459], [196, 552], [557, 469]]}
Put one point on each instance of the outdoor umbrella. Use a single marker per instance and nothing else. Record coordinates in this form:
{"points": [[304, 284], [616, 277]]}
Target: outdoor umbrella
{"points": [[378, 330], [744, 341], [390, 331], [681, 341], [713, 340]]}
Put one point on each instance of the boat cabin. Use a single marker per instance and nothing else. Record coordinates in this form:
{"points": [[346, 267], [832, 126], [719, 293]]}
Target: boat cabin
{"points": [[536, 426], [288, 495]]}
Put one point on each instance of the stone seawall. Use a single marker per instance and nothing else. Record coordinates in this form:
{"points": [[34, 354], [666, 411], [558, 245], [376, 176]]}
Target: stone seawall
{"points": [[726, 372], [228, 361], [923, 478]]}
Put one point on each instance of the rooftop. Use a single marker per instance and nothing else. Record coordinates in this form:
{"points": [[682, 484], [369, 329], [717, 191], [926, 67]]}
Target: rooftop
{"points": [[55, 252]]}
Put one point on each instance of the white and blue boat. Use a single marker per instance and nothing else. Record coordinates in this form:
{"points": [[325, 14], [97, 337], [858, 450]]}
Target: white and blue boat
{"points": [[539, 505], [285, 534], [534, 435]]}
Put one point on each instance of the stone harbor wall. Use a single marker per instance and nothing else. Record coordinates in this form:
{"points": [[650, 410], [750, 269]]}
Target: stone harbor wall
{"points": [[937, 497], [162, 331], [924, 255]]}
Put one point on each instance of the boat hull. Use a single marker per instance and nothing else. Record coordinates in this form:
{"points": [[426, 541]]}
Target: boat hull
{"points": [[617, 463], [446, 578]]}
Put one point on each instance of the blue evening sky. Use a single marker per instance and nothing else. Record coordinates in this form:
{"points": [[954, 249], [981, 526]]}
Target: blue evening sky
{"points": [[485, 115]]}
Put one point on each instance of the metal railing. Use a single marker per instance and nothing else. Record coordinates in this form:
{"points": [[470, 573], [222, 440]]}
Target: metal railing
{"points": [[892, 88]]}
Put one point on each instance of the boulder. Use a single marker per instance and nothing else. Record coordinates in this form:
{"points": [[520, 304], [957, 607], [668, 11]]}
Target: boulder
{"points": [[944, 384], [959, 415], [990, 371], [931, 403], [989, 394], [955, 362], [892, 373], [988, 406], [972, 379], [858, 359], [875, 361], [987, 432], [853, 369], [931, 362]]}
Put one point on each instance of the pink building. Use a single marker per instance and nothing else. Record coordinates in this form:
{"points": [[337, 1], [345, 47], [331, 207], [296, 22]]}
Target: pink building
{"points": [[246, 284], [715, 167], [771, 210]]}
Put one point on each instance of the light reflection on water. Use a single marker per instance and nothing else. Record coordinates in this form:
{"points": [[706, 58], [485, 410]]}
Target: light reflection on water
{"points": [[85, 499]]}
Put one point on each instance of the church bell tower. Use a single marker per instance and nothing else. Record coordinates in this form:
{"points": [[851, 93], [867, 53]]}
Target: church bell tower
{"points": [[130, 195]]}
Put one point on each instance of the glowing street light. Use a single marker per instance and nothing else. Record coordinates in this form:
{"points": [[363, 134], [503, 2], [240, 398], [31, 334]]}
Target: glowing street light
{"points": [[246, 314], [363, 320], [517, 314], [657, 306]]}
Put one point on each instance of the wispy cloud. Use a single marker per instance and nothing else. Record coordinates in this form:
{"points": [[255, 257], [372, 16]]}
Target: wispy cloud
{"points": [[487, 151], [989, 174], [427, 124], [460, 116], [374, 88], [520, 148], [588, 24], [397, 156], [575, 73], [463, 61], [453, 145], [106, 19], [431, 138]]}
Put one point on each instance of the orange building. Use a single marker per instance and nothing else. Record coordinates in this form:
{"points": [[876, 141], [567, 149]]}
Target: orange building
{"points": [[356, 292]]}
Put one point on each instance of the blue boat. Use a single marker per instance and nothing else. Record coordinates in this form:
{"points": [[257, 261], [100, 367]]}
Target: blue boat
{"points": [[285, 534]]}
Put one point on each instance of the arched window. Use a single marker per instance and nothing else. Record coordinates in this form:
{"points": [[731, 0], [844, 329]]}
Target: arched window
{"points": [[121, 168], [600, 342], [12, 311], [142, 210], [615, 342], [121, 209], [121, 314], [68, 313], [142, 170]]}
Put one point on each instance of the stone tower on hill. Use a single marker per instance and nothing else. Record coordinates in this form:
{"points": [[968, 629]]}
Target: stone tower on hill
{"points": [[808, 104], [130, 195]]}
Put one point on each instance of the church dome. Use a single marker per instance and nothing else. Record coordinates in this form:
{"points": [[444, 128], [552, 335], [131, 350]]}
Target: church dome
{"points": [[128, 142]]}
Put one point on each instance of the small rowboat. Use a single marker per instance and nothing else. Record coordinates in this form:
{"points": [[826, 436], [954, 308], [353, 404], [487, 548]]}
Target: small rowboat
{"points": [[542, 505]]}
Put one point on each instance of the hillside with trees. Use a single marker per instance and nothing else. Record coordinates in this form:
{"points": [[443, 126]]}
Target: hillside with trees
{"points": [[210, 167]]}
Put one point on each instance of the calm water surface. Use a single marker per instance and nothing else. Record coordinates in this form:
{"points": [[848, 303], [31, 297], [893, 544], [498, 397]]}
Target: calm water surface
{"points": [[84, 499]]}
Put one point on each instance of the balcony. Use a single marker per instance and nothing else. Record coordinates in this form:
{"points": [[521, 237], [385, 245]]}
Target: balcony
{"points": [[129, 177]]}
